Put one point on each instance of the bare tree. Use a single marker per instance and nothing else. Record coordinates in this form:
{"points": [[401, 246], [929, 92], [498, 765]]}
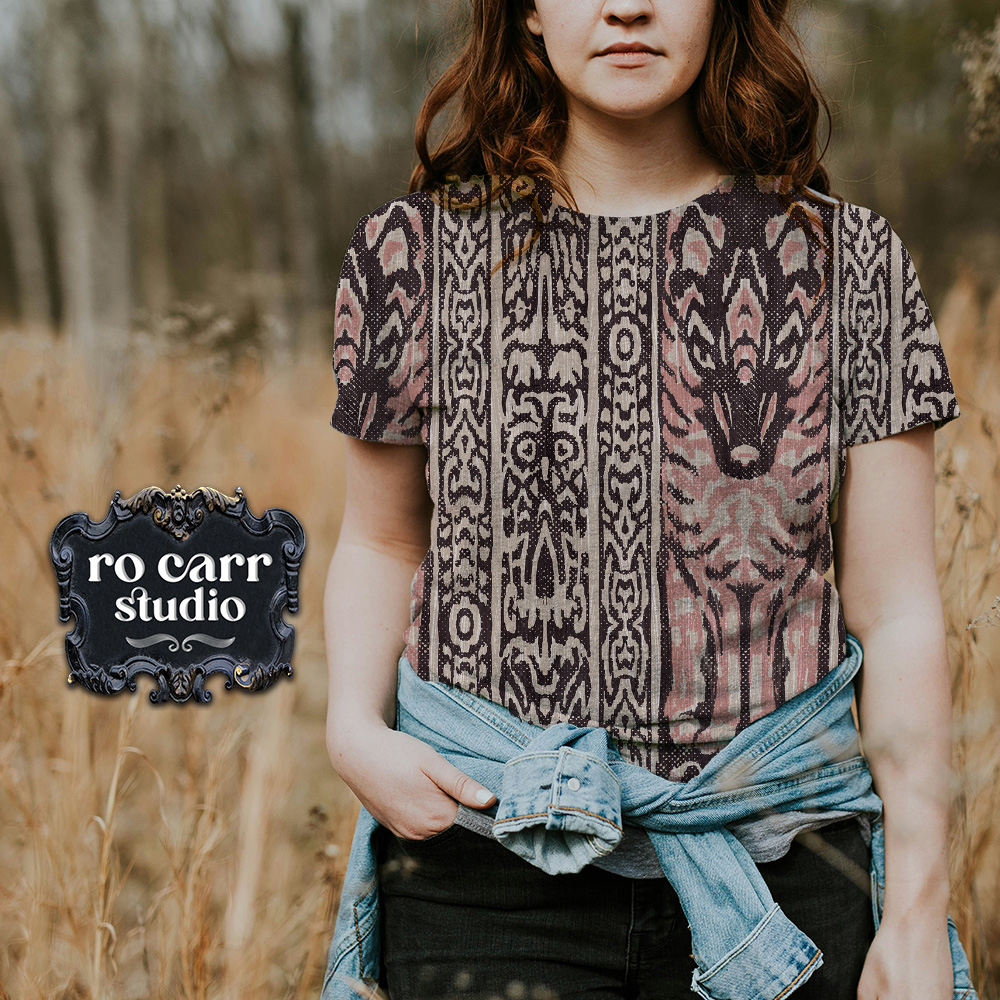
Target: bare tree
{"points": [[73, 199], [19, 205], [119, 96]]}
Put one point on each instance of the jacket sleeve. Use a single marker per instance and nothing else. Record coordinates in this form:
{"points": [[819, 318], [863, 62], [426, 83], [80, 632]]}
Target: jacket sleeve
{"points": [[380, 315], [896, 373]]}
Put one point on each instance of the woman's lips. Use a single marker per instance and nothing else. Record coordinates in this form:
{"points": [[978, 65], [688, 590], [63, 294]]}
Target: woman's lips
{"points": [[628, 58]]}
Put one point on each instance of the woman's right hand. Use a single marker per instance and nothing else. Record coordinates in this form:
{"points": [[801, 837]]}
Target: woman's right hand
{"points": [[403, 782]]}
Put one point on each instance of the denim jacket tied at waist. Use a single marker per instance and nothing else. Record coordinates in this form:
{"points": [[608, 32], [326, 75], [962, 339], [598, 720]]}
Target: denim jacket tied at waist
{"points": [[564, 792]]}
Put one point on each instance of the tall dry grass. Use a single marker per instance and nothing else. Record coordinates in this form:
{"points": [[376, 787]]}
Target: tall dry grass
{"points": [[197, 851], [162, 851]]}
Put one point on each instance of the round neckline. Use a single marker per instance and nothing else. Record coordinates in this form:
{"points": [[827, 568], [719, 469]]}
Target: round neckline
{"points": [[725, 184]]}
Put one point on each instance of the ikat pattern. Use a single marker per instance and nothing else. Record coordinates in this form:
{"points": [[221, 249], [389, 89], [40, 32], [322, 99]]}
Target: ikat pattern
{"points": [[636, 432]]}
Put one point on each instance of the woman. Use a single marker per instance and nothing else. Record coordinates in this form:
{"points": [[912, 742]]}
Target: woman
{"points": [[661, 377]]}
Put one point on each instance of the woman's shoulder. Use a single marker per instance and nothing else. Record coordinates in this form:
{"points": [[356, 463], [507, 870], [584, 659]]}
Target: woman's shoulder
{"points": [[403, 206], [854, 220], [395, 234], [861, 214]]}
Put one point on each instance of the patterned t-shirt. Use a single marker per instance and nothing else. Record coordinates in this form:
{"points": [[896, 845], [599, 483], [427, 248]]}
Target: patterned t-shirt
{"points": [[636, 431]]}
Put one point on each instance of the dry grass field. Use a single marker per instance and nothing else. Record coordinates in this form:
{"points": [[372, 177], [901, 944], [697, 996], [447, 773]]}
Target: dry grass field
{"points": [[196, 851]]}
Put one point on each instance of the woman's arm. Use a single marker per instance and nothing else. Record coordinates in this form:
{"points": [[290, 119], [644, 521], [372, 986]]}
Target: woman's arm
{"points": [[887, 580], [404, 783], [384, 534]]}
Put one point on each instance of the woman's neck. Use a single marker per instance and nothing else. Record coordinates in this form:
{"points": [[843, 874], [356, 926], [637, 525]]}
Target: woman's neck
{"points": [[621, 166]]}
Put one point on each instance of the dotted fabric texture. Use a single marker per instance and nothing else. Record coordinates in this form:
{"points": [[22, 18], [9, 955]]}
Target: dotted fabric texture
{"points": [[636, 431]]}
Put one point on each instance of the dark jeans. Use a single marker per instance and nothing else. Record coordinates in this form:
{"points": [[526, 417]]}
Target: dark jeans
{"points": [[464, 918]]}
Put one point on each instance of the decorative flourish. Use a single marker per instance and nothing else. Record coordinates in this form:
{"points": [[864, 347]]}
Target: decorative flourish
{"points": [[179, 512], [152, 640], [185, 644], [208, 640]]}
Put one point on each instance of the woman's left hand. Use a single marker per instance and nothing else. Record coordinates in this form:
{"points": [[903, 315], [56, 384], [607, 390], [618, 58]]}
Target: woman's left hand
{"points": [[909, 959]]}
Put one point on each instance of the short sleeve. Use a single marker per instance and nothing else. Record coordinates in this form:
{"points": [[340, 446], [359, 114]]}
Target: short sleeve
{"points": [[379, 353], [895, 372]]}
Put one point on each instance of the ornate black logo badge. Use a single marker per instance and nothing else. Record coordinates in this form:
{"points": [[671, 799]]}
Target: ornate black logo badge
{"points": [[179, 586]]}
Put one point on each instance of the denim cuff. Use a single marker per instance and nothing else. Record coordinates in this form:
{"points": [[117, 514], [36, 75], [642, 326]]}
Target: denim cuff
{"points": [[773, 961], [559, 809]]}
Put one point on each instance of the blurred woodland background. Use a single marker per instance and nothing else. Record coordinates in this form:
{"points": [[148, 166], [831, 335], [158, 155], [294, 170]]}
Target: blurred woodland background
{"points": [[178, 182]]}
